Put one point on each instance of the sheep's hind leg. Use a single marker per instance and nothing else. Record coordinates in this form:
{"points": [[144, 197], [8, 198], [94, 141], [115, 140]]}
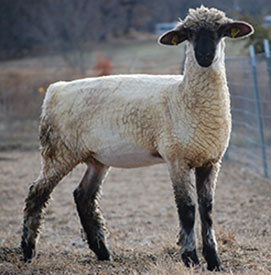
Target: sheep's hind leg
{"points": [[184, 198], [39, 193], [86, 197], [205, 181]]}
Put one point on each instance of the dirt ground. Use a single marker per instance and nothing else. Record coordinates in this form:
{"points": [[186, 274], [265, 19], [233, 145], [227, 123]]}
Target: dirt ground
{"points": [[142, 223]]}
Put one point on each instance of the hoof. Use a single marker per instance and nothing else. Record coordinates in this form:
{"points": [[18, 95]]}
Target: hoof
{"points": [[213, 261], [28, 251], [102, 253], [190, 258], [104, 257], [214, 265], [28, 254]]}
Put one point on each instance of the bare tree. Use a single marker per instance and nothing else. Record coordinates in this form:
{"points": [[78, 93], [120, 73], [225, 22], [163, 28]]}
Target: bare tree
{"points": [[10, 28], [64, 26]]}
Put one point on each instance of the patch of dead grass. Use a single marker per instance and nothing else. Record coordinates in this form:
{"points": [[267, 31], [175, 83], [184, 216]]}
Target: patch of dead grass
{"points": [[141, 217]]}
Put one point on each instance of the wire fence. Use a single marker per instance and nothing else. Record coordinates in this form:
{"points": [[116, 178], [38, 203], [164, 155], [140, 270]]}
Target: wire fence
{"points": [[249, 80]]}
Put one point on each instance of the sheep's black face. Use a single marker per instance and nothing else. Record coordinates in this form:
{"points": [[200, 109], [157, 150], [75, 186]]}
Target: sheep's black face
{"points": [[205, 38], [204, 43]]}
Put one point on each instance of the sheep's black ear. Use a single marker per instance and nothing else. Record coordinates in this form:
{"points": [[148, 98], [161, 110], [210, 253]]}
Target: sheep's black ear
{"points": [[173, 38], [236, 30]]}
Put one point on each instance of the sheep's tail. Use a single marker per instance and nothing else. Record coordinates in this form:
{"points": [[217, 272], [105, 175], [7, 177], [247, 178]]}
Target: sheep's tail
{"points": [[49, 137]]}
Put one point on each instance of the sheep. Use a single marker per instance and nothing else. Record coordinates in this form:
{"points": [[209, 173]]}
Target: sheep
{"points": [[139, 120]]}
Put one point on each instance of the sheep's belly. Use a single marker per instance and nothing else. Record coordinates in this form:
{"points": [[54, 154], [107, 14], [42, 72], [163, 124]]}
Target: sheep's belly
{"points": [[129, 159]]}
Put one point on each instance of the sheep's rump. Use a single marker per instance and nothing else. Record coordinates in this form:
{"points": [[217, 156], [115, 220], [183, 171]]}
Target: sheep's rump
{"points": [[111, 118]]}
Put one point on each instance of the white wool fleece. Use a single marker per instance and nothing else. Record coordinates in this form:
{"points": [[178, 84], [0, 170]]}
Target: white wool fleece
{"points": [[123, 120]]}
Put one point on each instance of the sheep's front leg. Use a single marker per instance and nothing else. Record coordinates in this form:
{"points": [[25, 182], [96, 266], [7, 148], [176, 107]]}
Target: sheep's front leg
{"points": [[184, 197], [86, 197], [205, 181]]}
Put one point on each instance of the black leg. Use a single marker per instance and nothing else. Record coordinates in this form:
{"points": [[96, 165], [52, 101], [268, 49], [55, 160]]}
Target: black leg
{"points": [[184, 197], [38, 195], [205, 181], [86, 197]]}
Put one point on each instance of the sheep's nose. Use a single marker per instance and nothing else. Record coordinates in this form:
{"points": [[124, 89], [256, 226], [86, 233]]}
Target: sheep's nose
{"points": [[204, 59], [207, 55]]}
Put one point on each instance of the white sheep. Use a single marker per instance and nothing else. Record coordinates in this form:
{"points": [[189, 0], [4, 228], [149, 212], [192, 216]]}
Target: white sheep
{"points": [[138, 120]]}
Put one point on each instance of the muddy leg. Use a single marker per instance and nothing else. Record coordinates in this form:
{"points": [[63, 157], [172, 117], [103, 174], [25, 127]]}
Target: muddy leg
{"points": [[86, 197], [206, 180], [38, 195], [184, 198]]}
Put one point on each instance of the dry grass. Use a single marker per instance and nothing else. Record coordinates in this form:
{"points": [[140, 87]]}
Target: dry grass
{"points": [[141, 218]]}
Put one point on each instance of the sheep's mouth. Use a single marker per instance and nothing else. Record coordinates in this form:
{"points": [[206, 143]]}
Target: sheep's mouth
{"points": [[204, 61]]}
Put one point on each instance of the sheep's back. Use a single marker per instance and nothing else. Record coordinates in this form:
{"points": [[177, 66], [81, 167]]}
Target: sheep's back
{"points": [[106, 113]]}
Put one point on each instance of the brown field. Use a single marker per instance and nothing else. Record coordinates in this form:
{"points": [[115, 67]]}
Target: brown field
{"points": [[139, 208]]}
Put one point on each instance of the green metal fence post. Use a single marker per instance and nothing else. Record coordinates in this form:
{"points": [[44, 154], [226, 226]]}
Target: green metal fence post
{"points": [[268, 60], [258, 109]]}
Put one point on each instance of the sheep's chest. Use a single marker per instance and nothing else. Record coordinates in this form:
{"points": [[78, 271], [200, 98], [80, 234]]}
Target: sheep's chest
{"points": [[210, 139], [207, 121]]}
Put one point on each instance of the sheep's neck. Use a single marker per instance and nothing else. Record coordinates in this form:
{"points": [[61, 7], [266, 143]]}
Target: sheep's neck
{"points": [[205, 88], [204, 106]]}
